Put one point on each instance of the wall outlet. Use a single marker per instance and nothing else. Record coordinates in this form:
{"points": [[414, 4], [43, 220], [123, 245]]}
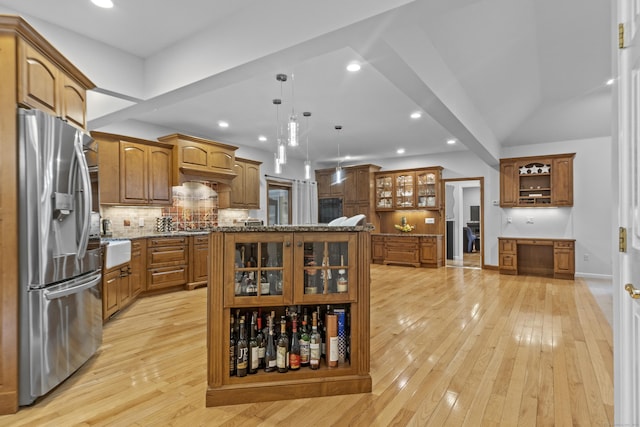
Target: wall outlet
{"points": [[429, 220], [141, 222], [495, 202], [127, 223], [509, 220], [530, 220], [585, 257]]}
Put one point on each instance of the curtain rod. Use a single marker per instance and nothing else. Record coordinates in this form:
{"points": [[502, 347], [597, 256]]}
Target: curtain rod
{"points": [[287, 179]]}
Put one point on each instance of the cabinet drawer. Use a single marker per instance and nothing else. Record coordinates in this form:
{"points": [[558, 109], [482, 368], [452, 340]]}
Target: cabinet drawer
{"points": [[164, 256], [167, 241], [535, 242], [401, 254], [568, 245], [158, 278], [200, 240]]}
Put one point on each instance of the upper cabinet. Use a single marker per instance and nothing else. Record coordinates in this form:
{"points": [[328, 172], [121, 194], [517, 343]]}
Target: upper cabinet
{"points": [[328, 186], [201, 158], [540, 181], [48, 86], [143, 169], [245, 187], [408, 189]]}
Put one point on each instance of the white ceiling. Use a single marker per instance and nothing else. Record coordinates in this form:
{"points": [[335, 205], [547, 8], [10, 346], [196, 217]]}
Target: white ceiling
{"points": [[487, 72]]}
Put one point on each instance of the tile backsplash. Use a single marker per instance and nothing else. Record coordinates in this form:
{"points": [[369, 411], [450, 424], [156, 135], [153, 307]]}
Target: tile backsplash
{"points": [[195, 207]]}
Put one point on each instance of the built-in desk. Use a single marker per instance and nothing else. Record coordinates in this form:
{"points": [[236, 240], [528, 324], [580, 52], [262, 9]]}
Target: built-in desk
{"points": [[537, 257]]}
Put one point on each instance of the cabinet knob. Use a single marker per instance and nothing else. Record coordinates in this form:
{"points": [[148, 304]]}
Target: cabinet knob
{"points": [[299, 244], [287, 244]]}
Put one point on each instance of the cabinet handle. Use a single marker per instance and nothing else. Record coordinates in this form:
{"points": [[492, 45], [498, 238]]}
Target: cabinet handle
{"points": [[299, 244], [287, 244]]}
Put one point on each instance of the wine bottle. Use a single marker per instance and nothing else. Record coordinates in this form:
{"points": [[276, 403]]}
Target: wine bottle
{"points": [[270, 356], [315, 343], [294, 353], [282, 347], [332, 340], [304, 342], [254, 361], [242, 355], [232, 349], [260, 340]]}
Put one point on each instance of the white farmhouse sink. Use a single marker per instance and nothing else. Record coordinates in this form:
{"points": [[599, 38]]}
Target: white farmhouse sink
{"points": [[118, 252]]}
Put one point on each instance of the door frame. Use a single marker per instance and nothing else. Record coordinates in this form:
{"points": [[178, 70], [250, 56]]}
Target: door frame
{"points": [[480, 179]]}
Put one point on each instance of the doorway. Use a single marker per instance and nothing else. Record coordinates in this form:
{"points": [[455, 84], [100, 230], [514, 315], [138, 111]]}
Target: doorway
{"points": [[464, 214]]}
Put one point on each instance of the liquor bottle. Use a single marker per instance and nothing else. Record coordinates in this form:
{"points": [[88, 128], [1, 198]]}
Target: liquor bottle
{"points": [[242, 355], [254, 361], [232, 349], [282, 347], [270, 355], [315, 342], [294, 353], [304, 342], [260, 340]]}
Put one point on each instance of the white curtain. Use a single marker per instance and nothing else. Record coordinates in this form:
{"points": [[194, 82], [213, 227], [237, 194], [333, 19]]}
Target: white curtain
{"points": [[304, 198]]}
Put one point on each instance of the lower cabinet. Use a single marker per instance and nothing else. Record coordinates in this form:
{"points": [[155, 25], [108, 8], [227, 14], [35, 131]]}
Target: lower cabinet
{"points": [[416, 250], [138, 266], [508, 256], [167, 262], [116, 289], [198, 259], [564, 260], [537, 256]]}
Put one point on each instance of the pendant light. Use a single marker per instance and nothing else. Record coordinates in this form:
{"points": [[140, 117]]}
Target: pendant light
{"points": [[292, 125], [280, 155], [338, 168], [307, 163]]}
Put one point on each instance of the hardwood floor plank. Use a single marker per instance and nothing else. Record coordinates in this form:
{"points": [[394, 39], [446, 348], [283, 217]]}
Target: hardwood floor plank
{"points": [[449, 347]]}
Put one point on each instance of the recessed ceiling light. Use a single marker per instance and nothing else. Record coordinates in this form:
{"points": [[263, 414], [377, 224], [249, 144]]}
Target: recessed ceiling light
{"points": [[400, 151], [262, 138], [105, 4], [347, 157], [451, 141], [223, 124], [416, 115], [353, 67], [610, 82]]}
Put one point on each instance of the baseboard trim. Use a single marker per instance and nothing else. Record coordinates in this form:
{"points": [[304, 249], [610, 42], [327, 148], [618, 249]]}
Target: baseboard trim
{"points": [[594, 276]]}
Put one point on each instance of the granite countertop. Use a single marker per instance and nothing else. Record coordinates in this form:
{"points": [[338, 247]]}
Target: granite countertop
{"points": [[242, 228], [399, 234]]}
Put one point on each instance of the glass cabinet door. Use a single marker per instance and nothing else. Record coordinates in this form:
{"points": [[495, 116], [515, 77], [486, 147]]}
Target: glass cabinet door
{"points": [[259, 271], [404, 190], [323, 268], [384, 192], [427, 189]]}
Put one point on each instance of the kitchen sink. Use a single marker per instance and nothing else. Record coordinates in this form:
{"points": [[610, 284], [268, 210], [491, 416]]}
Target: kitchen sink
{"points": [[118, 252]]}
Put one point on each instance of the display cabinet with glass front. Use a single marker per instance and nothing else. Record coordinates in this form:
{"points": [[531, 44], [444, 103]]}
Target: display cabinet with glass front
{"points": [[278, 275], [384, 191], [404, 190]]}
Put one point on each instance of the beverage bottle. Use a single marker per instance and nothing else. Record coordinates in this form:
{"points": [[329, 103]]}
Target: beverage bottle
{"points": [[242, 355], [315, 343], [282, 347], [254, 361], [294, 353], [232, 349], [270, 356], [304, 342], [262, 345]]}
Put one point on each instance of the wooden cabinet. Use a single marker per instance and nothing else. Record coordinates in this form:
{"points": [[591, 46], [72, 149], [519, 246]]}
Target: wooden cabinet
{"points": [[377, 248], [116, 290], [408, 189], [46, 86], [328, 186], [245, 187], [540, 181], [138, 267], [402, 250], [301, 268], [31, 69], [358, 192], [431, 254], [143, 171], [167, 262], [199, 157], [198, 261], [537, 256]]}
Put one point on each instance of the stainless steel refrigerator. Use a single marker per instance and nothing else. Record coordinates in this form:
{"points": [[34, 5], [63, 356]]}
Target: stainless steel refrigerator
{"points": [[60, 257]]}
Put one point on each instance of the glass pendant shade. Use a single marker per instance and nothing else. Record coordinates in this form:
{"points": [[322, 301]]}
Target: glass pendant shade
{"points": [[338, 174], [277, 166], [293, 129], [307, 169], [282, 152]]}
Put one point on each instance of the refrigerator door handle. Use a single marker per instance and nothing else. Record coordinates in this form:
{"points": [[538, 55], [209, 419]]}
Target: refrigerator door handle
{"points": [[86, 194], [75, 288]]}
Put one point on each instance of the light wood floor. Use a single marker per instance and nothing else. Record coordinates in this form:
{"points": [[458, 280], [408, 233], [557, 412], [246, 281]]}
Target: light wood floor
{"points": [[469, 259], [449, 347]]}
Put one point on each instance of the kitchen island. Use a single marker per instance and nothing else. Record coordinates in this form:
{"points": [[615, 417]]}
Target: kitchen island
{"points": [[418, 250], [256, 271]]}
